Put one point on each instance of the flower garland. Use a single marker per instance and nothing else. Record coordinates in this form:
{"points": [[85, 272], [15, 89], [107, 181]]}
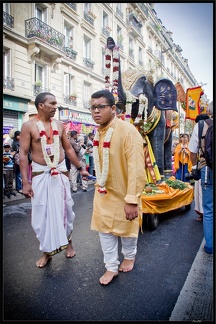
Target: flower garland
{"points": [[129, 100], [51, 164], [102, 175], [108, 55]]}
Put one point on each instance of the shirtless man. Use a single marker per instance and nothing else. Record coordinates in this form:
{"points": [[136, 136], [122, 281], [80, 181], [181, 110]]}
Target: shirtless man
{"points": [[52, 212]]}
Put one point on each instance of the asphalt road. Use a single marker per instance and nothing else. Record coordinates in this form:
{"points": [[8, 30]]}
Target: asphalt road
{"points": [[69, 290]]}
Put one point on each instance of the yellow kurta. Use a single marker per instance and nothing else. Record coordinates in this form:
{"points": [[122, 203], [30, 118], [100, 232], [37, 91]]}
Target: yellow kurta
{"points": [[125, 182]]}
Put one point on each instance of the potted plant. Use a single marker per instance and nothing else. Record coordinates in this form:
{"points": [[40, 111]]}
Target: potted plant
{"points": [[120, 38], [38, 83], [73, 96]]}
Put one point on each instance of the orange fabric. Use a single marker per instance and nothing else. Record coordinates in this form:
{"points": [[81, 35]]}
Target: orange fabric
{"points": [[181, 157], [181, 95], [170, 200], [192, 102]]}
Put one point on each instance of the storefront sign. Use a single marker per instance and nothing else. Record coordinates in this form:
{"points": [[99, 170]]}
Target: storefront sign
{"points": [[15, 103]]}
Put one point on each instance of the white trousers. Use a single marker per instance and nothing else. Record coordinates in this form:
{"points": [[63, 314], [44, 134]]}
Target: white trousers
{"points": [[109, 245], [73, 176]]}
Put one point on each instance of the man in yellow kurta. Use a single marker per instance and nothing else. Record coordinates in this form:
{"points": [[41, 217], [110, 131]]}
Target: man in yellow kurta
{"points": [[120, 172]]}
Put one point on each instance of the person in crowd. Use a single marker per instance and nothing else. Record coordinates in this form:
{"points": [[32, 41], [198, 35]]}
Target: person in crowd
{"points": [[82, 159], [8, 174], [182, 161], [206, 182], [15, 151], [73, 170], [86, 153], [90, 152], [120, 180], [197, 184], [52, 204]]}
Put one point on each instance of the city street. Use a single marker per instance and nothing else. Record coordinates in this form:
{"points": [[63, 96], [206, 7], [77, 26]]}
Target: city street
{"points": [[69, 290]]}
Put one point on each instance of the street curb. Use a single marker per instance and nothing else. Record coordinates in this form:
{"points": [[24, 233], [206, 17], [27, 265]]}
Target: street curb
{"points": [[20, 196], [195, 302]]}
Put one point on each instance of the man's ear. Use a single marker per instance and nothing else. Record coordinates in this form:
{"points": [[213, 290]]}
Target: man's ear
{"points": [[113, 108]]}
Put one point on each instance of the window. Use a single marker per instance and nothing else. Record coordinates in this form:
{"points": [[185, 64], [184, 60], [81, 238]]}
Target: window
{"points": [[119, 5], [41, 74], [105, 19], [6, 7], [140, 56], [87, 7], [103, 61], [87, 47], [7, 62], [86, 94], [131, 43], [119, 35], [68, 31], [41, 13], [68, 84], [131, 47]]}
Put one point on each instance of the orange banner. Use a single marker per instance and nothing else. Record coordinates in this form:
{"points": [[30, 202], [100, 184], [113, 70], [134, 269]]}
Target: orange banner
{"points": [[181, 95], [192, 102]]}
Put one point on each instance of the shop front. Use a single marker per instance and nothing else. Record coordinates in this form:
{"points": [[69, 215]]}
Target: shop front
{"points": [[14, 109], [80, 121]]}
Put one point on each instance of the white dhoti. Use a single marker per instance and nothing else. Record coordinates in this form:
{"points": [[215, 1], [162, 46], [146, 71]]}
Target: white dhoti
{"points": [[52, 208]]}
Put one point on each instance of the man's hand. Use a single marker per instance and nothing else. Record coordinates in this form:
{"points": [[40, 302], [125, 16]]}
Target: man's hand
{"points": [[27, 190], [84, 174], [131, 211]]}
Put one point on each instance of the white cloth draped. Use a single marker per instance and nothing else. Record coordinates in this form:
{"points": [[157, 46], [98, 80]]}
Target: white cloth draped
{"points": [[52, 208]]}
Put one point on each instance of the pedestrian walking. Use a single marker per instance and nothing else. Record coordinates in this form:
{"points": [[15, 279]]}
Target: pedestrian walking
{"points": [[52, 215], [197, 184], [8, 174], [15, 150], [202, 171], [73, 170], [120, 180], [90, 153]]}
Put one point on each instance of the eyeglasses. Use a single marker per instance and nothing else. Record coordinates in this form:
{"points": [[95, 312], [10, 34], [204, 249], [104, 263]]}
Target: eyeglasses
{"points": [[99, 107]]}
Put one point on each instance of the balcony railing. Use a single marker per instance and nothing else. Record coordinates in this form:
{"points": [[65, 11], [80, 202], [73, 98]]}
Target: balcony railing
{"points": [[8, 20], [69, 101], [39, 89], [106, 31], [70, 52], [88, 18], [119, 12], [132, 21], [88, 62], [34, 27], [86, 104], [131, 53], [8, 83]]}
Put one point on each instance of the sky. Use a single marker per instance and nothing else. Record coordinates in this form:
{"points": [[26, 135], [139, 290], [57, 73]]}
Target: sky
{"points": [[192, 28]]}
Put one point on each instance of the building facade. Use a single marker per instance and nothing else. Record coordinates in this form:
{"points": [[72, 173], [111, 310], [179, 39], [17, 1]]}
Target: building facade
{"points": [[59, 47]]}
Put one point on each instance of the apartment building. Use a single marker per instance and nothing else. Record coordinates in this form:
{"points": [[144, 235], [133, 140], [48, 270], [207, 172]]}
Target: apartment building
{"points": [[60, 47]]}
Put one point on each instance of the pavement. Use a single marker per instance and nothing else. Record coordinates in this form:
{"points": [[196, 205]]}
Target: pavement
{"points": [[195, 301]]}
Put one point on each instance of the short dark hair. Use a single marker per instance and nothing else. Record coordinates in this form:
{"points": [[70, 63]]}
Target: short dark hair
{"points": [[73, 132], [201, 117], [105, 94], [41, 97]]}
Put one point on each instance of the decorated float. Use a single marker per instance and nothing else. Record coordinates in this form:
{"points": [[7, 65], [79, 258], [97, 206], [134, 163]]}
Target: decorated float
{"points": [[151, 108]]}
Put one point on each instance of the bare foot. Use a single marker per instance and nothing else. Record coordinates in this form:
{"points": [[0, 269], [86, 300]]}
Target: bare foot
{"points": [[43, 260], [108, 277], [70, 253], [127, 265]]}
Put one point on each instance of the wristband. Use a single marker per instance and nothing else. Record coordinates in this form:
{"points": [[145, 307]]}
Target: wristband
{"points": [[80, 168]]}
